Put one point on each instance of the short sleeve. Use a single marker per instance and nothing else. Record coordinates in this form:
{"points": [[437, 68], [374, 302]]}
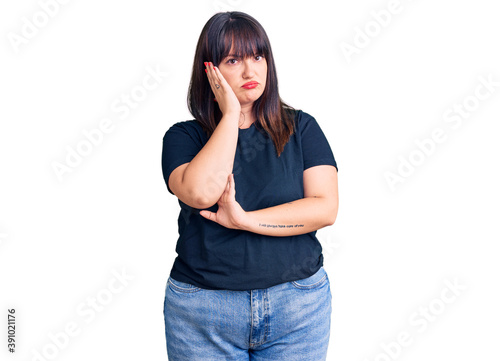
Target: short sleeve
{"points": [[180, 145], [315, 147]]}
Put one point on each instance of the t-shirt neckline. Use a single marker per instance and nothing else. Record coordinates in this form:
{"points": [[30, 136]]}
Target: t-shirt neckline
{"points": [[243, 129]]}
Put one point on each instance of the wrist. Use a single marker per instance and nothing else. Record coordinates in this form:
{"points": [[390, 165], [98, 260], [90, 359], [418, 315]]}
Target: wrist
{"points": [[247, 221], [232, 114]]}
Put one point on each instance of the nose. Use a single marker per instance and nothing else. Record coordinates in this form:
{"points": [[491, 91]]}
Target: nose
{"points": [[248, 68]]}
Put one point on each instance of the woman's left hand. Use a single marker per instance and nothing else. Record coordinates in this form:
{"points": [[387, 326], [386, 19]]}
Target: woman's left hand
{"points": [[230, 214]]}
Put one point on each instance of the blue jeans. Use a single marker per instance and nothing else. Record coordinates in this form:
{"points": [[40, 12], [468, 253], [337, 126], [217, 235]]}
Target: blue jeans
{"points": [[289, 321]]}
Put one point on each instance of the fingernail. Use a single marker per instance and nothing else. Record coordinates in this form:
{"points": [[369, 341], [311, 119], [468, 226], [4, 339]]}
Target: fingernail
{"points": [[205, 63], [206, 71]]}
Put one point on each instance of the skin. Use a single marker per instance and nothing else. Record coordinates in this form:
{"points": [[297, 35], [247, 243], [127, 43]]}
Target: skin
{"points": [[236, 72], [229, 214], [231, 74], [319, 206]]}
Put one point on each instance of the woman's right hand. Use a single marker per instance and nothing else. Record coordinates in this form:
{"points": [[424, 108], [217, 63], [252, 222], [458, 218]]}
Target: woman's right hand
{"points": [[227, 100]]}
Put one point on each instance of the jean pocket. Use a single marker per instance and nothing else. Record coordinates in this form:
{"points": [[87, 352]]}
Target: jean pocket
{"points": [[315, 281], [182, 286]]}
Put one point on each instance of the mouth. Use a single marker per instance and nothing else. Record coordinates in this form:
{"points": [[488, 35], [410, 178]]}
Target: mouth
{"points": [[250, 85]]}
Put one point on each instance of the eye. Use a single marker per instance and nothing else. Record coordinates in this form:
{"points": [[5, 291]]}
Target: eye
{"points": [[229, 61], [261, 56]]}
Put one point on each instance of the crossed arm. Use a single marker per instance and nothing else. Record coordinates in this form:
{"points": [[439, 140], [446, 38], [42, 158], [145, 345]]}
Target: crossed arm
{"points": [[316, 210]]}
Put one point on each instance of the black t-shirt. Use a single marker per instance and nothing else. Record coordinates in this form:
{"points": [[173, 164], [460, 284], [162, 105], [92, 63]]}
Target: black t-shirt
{"points": [[211, 256]]}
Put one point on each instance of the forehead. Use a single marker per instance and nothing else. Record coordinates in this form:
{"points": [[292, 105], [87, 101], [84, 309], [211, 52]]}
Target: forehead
{"points": [[241, 45], [237, 53]]}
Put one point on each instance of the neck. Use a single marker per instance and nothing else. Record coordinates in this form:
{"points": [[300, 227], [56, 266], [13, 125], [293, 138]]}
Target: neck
{"points": [[246, 116]]}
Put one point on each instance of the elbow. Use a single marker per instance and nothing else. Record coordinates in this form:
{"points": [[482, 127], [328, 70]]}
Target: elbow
{"points": [[200, 195], [204, 192], [198, 200], [332, 215], [203, 201], [193, 198], [327, 212], [331, 221]]}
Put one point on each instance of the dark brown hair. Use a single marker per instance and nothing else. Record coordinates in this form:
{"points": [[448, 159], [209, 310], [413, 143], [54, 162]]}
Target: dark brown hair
{"points": [[272, 114]]}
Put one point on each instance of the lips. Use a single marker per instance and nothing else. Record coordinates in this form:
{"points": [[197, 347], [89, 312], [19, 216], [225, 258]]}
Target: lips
{"points": [[250, 84]]}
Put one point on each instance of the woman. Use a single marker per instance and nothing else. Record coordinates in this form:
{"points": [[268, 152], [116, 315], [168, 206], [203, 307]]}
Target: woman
{"points": [[255, 179]]}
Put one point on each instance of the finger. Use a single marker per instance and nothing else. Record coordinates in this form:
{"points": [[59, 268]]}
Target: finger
{"points": [[210, 69], [209, 72], [232, 191], [207, 214], [218, 81], [227, 191], [220, 77], [212, 74], [212, 78], [216, 76]]}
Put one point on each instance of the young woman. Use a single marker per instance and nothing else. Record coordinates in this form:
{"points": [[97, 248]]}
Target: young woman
{"points": [[255, 179]]}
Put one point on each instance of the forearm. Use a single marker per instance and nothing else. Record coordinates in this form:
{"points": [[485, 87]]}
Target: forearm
{"points": [[289, 219], [208, 171]]}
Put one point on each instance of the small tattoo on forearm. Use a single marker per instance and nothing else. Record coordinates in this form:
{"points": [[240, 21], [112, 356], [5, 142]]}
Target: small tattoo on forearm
{"points": [[280, 225]]}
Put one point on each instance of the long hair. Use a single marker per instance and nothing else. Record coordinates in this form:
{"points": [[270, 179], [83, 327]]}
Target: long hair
{"points": [[272, 114]]}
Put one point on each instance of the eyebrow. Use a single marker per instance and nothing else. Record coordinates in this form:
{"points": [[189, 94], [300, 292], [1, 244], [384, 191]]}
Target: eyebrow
{"points": [[236, 56]]}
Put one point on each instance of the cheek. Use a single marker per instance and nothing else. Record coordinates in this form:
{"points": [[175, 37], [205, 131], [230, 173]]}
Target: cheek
{"points": [[229, 77], [264, 72]]}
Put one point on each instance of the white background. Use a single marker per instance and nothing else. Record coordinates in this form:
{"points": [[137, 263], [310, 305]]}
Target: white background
{"points": [[391, 250]]}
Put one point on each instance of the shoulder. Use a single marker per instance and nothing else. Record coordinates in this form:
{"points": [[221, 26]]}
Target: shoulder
{"points": [[188, 127], [303, 120]]}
